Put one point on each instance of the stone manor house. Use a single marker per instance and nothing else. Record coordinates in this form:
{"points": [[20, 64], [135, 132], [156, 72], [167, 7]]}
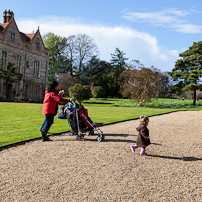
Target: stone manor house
{"points": [[24, 62]]}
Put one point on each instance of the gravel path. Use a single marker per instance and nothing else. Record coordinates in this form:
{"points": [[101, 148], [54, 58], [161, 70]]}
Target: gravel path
{"points": [[70, 170]]}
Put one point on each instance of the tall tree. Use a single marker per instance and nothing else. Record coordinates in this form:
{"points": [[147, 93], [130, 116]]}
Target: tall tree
{"points": [[90, 72], [118, 62], [165, 84], [105, 78], [188, 70], [86, 48], [79, 49], [57, 62], [69, 50]]}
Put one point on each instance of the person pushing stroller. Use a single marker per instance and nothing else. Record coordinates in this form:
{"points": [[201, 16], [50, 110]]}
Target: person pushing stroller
{"points": [[53, 96]]}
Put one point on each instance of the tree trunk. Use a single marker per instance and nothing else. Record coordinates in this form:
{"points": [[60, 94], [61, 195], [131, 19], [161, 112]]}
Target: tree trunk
{"points": [[194, 101], [71, 66], [92, 85]]}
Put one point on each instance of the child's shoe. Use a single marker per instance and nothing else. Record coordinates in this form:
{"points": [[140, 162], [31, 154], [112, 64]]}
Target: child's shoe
{"points": [[142, 152], [133, 147]]}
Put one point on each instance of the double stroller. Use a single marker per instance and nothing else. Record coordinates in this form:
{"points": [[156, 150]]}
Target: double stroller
{"points": [[79, 122]]}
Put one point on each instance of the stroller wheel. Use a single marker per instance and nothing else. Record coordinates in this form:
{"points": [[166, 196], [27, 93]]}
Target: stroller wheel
{"points": [[78, 138], [100, 138], [90, 133], [71, 133], [87, 133]]}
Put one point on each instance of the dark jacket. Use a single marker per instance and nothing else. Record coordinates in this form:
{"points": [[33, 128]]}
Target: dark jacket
{"points": [[50, 102], [142, 135]]}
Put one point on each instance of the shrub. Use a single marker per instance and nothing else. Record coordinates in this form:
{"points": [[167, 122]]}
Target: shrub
{"points": [[80, 92], [98, 92]]}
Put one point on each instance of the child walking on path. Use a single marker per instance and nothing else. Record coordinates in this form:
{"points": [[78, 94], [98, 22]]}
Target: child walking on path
{"points": [[143, 139]]}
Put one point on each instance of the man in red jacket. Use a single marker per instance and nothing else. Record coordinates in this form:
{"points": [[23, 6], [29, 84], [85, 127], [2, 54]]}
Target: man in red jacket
{"points": [[53, 96]]}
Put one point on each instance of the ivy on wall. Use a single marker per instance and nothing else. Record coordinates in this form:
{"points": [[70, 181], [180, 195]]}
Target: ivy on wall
{"points": [[10, 75]]}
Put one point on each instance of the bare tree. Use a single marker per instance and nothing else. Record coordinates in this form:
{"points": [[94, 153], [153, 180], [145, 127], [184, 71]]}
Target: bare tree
{"points": [[79, 49], [140, 84], [70, 52], [86, 48], [67, 81]]}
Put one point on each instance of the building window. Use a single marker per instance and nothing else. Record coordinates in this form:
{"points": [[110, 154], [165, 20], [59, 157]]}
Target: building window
{"points": [[37, 46], [3, 60], [34, 91], [12, 36], [18, 64], [17, 89], [23, 37], [36, 69], [30, 90], [1, 85]]}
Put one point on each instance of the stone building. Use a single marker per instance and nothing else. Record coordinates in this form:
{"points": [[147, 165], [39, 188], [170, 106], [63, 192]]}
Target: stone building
{"points": [[24, 62]]}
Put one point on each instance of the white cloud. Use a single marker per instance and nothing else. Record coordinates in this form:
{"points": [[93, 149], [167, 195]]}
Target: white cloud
{"points": [[188, 28], [171, 18], [137, 45]]}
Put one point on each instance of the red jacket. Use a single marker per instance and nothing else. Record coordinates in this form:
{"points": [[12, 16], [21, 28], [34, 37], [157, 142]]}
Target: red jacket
{"points": [[50, 102]]}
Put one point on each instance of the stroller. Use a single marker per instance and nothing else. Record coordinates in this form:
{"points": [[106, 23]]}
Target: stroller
{"points": [[79, 122]]}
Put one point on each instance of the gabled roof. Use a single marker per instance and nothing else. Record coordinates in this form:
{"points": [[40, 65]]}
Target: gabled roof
{"points": [[3, 26], [27, 37], [30, 35]]}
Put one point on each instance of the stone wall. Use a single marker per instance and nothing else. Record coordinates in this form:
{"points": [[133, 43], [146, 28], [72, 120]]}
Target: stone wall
{"points": [[33, 83]]}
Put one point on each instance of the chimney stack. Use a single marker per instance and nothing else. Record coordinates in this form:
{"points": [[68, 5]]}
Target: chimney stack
{"points": [[8, 15], [4, 16]]}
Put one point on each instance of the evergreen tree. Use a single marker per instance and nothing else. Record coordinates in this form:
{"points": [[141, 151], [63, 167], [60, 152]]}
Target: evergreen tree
{"points": [[90, 72], [188, 70], [104, 78], [99, 73], [118, 62]]}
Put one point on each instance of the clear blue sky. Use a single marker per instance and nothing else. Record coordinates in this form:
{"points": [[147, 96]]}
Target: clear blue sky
{"points": [[152, 31]]}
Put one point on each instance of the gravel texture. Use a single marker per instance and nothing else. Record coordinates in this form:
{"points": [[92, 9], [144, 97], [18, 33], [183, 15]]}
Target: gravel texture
{"points": [[69, 170]]}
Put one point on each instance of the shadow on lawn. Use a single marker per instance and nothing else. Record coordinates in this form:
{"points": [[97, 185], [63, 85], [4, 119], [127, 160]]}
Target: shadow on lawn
{"points": [[191, 158]]}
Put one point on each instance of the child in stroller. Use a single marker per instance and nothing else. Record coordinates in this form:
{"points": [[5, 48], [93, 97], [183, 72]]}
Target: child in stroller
{"points": [[79, 121]]}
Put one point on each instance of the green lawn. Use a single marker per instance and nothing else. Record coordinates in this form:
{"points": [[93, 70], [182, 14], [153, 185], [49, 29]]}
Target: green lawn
{"points": [[190, 101], [127, 101], [22, 121]]}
